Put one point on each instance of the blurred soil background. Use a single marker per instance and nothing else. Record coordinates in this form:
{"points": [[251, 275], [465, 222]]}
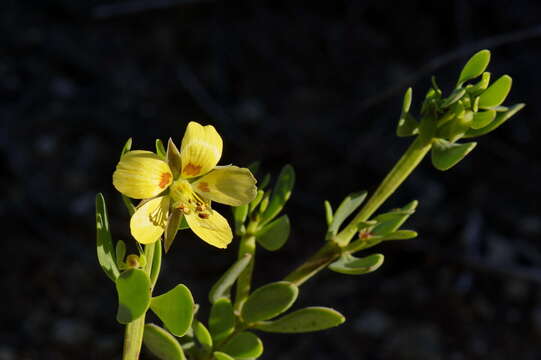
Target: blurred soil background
{"points": [[317, 85]]}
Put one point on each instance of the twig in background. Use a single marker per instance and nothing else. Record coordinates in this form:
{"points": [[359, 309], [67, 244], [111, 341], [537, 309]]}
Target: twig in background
{"points": [[437, 62], [194, 87], [133, 7]]}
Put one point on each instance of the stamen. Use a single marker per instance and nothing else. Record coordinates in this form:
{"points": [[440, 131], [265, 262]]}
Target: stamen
{"points": [[203, 215]]}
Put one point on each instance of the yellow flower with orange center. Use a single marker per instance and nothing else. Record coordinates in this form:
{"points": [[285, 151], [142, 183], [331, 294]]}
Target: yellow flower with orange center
{"points": [[184, 184]]}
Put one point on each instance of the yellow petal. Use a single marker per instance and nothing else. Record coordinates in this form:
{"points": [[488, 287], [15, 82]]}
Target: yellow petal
{"points": [[228, 185], [148, 222], [214, 229], [141, 175], [201, 150]]}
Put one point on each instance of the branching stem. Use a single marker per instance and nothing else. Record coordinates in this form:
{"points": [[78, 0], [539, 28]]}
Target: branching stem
{"points": [[333, 249]]}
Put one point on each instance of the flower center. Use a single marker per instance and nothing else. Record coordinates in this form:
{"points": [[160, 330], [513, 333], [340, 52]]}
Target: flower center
{"points": [[187, 200]]}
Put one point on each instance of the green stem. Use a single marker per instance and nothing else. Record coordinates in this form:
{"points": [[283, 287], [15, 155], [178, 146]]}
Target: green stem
{"points": [[403, 168], [247, 246], [317, 262], [332, 249], [133, 336]]}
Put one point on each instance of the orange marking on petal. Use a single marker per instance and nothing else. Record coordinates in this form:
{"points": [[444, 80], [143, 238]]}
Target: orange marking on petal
{"points": [[203, 186], [165, 179], [191, 169]]}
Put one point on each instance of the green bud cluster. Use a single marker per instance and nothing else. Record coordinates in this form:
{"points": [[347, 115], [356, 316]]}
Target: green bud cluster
{"points": [[472, 109]]}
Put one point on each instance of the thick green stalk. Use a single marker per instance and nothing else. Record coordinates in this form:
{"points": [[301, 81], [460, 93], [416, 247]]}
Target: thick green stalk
{"points": [[247, 246], [403, 168], [317, 262], [133, 336], [332, 249]]}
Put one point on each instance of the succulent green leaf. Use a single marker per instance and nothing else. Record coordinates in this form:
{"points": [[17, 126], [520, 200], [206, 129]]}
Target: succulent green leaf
{"points": [[406, 102], [129, 204], [265, 182], [274, 235], [104, 243], [391, 221], [156, 263], [280, 194], [481, 84], [407, 126], [264, 203], [482, 119], [222, 287], [239, 216], [127, 147], [160, 149], [362, 225], [501, 117], [435, 85], [475, 66], [475, 105], [496, 93], [456, 95], [133, 289], [328, 212], [253, 204], [172, 157], [222, 356], [400, 235], [162, 344], [269, 301], [172, 228], [175, 309], [244, 345], [202, 335], [120, 251], [350, 265], [346, 208], [305, 320], [446, 154], [221, 320]]}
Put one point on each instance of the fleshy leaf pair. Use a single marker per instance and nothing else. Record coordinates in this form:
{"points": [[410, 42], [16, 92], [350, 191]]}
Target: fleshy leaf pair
{"points": [[273, 299], [383, 227], [176, 309], [335, 220], [446, 154]]}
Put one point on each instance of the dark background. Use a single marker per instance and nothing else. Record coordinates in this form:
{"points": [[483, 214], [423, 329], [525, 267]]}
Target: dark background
{"points": [[315, 85]]}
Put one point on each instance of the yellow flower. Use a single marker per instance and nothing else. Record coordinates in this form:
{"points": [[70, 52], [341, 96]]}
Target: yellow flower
{"points": [[183, 185]]}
